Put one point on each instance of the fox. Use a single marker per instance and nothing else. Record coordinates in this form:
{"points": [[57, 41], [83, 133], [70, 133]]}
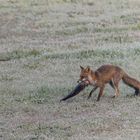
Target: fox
{"points": [[107, 74]]}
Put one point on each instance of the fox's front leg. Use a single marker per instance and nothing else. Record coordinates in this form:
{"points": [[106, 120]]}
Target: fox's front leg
{"points": [[100, 92], [92, 91]]}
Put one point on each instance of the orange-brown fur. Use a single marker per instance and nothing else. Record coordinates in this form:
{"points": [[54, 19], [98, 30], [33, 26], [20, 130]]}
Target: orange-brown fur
{"points": [[107, 74]]}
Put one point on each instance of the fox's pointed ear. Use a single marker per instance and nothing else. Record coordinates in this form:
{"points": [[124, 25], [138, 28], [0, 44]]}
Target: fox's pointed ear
{"points": [[88, 68], [81, 67]]}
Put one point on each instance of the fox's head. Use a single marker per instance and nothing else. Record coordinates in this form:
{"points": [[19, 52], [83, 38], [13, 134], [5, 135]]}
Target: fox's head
{"points": [[86, 75]]}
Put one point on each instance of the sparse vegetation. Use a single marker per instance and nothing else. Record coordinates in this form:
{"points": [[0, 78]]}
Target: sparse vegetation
{"points": [[43, 43], [17, 54]]}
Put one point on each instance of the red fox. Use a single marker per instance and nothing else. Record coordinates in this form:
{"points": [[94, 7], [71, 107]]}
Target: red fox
{"points": [[107, 74]]}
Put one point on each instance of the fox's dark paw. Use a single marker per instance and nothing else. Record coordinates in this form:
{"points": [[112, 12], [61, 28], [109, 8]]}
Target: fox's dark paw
{"points": [[137, 94], [113, 96], [88, 97], [60, 101]]}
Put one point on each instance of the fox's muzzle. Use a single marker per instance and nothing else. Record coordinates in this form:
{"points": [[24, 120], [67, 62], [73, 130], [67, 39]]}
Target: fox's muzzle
{"points": [[86, 81]]}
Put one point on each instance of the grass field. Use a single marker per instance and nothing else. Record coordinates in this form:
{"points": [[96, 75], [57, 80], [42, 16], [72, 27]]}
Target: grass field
{"points": [[42, 45]]}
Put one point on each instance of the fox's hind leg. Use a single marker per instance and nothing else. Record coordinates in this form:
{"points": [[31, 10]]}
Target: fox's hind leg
{"points": [[137, 91], [115, 85]]}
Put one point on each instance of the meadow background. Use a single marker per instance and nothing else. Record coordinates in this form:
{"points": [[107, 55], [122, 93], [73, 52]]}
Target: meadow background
{"points": [[42, 45]]}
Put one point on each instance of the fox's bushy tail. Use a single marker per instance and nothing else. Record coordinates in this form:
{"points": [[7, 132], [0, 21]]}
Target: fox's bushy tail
{"points": [[132, 83]]}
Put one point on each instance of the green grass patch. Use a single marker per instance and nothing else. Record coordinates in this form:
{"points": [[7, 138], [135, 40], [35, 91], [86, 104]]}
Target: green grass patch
{"points": [[43, 94], [17, 54], [32, 65], [98, 53], [116, 38], [136, 26], [7, 78], [70, 32], [111, 29]]}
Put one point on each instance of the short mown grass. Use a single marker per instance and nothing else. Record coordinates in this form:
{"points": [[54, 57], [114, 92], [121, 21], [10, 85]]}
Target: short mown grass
{"points": [[17, 54], [70, 32], [43, 95], [98, 53]]}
